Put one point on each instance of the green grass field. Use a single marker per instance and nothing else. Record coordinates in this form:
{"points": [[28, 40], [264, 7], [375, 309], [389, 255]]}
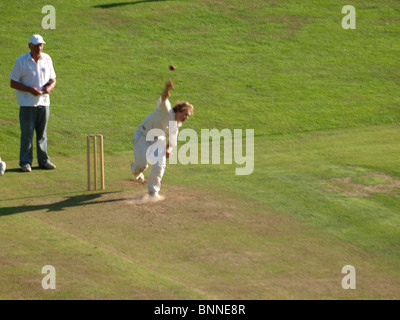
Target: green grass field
{"points": [[325, 192]]}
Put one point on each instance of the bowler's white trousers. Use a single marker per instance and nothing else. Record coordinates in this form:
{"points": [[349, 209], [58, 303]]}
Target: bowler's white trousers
{"points": [[140, 146]]}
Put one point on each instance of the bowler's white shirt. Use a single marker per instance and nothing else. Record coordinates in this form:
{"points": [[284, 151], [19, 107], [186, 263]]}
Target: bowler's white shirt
{"points": [[33, 74], [162, 118]]}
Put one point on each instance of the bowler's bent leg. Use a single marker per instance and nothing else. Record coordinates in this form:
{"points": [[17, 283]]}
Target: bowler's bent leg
{"points": [[140, 146]]}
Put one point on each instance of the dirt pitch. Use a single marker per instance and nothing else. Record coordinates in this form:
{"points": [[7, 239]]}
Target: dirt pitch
{"points": [[203, 243]]}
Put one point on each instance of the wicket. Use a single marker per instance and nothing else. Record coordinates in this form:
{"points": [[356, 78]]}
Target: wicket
{"points": [[94, 137]]}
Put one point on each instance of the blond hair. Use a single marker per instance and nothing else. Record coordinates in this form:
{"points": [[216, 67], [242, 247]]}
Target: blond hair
{"points": [[182, 106]]}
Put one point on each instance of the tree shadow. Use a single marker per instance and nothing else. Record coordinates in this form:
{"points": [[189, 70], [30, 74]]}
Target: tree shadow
{"points": [[69, 202], [119, 4]]}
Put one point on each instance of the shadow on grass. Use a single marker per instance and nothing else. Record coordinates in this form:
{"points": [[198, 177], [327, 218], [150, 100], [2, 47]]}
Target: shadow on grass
{"points": [[19, 170], [119, 4], [72, 201]]}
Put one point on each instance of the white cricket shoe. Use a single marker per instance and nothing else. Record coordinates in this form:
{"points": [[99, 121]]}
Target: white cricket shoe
{"points": [[26, 168], [49, 165], [140, 178], [3, 167], [154, 197]]}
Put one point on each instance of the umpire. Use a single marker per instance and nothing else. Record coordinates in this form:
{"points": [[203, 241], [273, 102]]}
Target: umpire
{"points": [[34, 78]]}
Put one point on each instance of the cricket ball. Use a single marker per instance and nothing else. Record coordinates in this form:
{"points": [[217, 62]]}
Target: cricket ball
{"points": [[172, 67]]}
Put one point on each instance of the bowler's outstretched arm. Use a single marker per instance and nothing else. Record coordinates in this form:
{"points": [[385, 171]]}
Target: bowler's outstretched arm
{"points": [[166, 93]]}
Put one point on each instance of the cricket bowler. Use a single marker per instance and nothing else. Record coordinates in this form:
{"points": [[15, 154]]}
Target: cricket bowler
{"points": [[163, 117]]}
